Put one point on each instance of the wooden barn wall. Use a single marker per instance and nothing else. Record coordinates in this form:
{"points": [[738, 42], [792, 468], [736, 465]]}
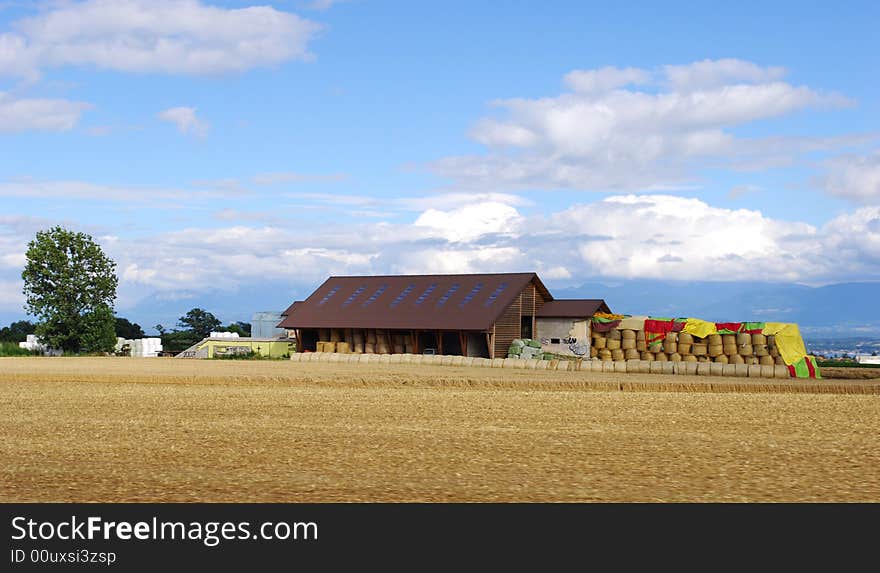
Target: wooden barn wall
{"points": [[508, 327], [539, 300]]}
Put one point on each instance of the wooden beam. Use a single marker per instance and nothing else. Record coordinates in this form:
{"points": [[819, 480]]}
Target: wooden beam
{"points": [[462, 343], [439, 336], [415, 342]]}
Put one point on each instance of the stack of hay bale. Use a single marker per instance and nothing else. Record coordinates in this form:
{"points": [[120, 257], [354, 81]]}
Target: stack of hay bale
{"points": [[358, 341], [526, 349], [741, 348]]}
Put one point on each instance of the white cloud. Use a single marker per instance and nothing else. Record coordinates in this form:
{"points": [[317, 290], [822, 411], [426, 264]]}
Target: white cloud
{"points": [[607, 134], [470, 222], [854, 177], [18, 115], [162, 36], [186, 121]]}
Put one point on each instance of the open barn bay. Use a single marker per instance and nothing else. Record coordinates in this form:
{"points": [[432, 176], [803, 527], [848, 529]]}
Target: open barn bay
{"points": [[115, 429]]}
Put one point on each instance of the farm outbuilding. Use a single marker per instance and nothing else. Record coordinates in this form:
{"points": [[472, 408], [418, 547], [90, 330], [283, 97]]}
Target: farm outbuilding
{"points": [[476, 315]]}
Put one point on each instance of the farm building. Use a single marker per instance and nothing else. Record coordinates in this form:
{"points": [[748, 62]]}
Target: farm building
{"points": [[476, 315]]}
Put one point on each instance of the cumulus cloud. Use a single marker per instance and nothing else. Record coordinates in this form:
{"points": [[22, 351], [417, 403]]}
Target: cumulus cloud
{"points": [[161, 36], [18, 115], [606, 133], [855, 177], [186, 121]]}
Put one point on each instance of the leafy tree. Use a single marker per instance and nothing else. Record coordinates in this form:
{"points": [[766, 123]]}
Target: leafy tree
{"points": [[127, 329], [17, 331], [200, 322], [70, 286], [241, 328]]}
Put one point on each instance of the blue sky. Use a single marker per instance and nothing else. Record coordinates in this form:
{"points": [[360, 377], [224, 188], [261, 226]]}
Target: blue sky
{"points": [[219, 148]]}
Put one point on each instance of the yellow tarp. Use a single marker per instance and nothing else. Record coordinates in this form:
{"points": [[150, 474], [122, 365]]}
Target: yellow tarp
{"points": [[699, 327], [788, 340]]}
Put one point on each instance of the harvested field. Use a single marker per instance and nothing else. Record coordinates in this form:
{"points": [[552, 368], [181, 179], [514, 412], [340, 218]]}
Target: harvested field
{"points": [[117, 429]]}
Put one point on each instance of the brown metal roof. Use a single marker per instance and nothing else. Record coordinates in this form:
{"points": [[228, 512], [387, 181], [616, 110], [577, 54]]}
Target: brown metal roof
{"points": [[290, 308], [425, 302], [572, 308]]}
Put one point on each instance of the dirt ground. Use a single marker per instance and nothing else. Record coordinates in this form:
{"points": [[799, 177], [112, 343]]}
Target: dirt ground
{"points": [[119, 429]]}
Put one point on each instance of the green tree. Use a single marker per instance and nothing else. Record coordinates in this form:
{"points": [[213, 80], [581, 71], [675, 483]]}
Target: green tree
{"points": [[199, 322], [241, 328], [17, 331], [70, 286], [127, 329]]}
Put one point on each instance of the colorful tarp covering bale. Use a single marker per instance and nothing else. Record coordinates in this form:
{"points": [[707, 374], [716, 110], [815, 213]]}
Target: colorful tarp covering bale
{"points": [[603, 321], [806, 367]]}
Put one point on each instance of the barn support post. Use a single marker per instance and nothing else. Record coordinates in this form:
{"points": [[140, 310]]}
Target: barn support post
{"points": [[462, 343], [439, 336]]}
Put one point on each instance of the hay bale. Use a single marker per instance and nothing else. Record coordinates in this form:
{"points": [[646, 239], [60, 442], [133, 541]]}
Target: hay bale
{"points": [[612, 344], [766, 371], [510, 362], [728, 370], [675, 357], [736, 359], [761, 350], [632, 366], [333, 357], [594, 352], [660, 357], [600, 343], [715, 350], [542, 364], [608, 367], [759, 339], [648, 356], [627, 335], [667, 367], [447, 360], [656, 367], [564, 365], [778, 360], [614, 334], [678, 368], [532, 364], [641, 345], [671, 337], [604, 354], [690, 358], [596, 366], [457, 361], [620, 367], [716, 369], [497, 362], [742, 370], [670, 347], [754, 371], [772, 351], [617, 354], [766, 361], [644, 367], [395, 358], [781, 371], [329, 347], [745, 350], [743, 338], [703, 359], [631, 354], [700, 349], [729, 349], [728, 339], [684, 348], [690, 368], [296, 357], [752, 360], [704, 369], [722, 359], [342, 347], [714, 340], [628, 343]]}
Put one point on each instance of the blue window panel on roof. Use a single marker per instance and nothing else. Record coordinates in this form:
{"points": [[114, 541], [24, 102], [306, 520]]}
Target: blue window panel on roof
{"points": [[375, 295], [426, 294], [354, 295], [448, 294], [494, 295], [328, 295], [402, 295], [477, 288]]}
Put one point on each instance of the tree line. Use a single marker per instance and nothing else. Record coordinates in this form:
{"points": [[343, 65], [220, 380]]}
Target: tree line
{"points": [[70, 288]]}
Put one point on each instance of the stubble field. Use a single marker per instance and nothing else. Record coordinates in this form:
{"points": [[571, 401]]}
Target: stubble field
{"points": [[118, 429]]}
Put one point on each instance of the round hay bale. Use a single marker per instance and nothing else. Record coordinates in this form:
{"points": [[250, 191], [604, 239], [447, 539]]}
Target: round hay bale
{"points": [[604, 354], [715, 350], [600, 343], [497, 363], [419, 359], [620, 367], [671, 337], [532, 364], [690, 368], [612, 344], [627, 335], [678, 368], [510, 362], [728, 370], [670, 347], [685, 338], [781, 371], [617, 354], [690, 358], [631, 354], [759, 339], [395, 358], [704, 359], [542, 364], [754, 371], [684, 348], [644, 367], [761, 350], [704, 369], [742, 370], [608, 367], [675, 357], [699, 349], [745, 350], [596, 365], [766, 371], [614, 334], [628, 343], [714, 340], [296, 357], [632, 366], [554, 365], [722, 359], [641, 346], [766, 361], [778, 360], [648, 356], [332, 357], [736, 359], [661, 357], [656, 367], [447, 360], [772, 351], [365, 358], [728, 339], [594, 352], [467, 360], [729, 349], [743, 338], [668, 367], [752, 360], [716, 369]]}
